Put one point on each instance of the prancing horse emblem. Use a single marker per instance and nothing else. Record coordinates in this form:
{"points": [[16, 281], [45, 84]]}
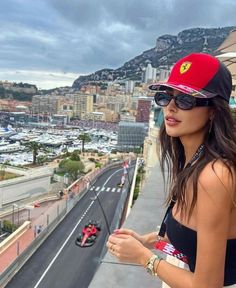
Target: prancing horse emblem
{"points": [[185, 67]]}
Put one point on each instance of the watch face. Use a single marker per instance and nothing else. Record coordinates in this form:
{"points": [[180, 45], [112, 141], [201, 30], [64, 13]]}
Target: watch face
{"points": [[150, 265], [149, 270]]}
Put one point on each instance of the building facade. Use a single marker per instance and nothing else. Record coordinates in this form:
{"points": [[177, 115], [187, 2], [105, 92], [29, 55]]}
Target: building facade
{"points": [[143, 109], [131, 135], [150, 73], [46, 104], [83, 103]]}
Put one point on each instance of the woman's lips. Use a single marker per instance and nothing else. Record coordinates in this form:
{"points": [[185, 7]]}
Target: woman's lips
{"points": [[171, 121]]}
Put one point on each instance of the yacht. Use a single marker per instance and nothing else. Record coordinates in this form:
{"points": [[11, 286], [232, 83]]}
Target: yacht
{"points": [[7, 131], [9, 148]]}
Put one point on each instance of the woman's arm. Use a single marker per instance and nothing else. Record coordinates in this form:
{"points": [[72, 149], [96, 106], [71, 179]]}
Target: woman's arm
{"points": [[212, 213], [148, 240], [213, 209], [128, 249]]}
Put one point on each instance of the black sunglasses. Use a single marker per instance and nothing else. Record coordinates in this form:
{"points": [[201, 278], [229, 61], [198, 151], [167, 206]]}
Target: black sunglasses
{"points": [[182, 101]]}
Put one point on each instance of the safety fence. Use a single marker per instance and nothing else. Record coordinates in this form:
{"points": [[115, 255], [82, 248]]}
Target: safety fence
{"points": [[48, 221]]}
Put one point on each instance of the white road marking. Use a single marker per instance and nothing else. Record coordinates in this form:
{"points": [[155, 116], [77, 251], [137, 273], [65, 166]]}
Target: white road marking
{"points": [[59, 251], [67, 239], [108, 189]]}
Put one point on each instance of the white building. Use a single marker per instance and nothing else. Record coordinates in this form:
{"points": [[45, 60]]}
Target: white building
{"points": [[129, 86], [150, 74], [163, 74]]}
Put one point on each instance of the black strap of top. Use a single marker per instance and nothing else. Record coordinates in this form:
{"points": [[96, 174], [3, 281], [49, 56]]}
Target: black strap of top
{"points": [[162, 229]]}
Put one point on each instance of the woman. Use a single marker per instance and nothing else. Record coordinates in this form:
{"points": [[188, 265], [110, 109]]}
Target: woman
{"points": [[198, 146]]}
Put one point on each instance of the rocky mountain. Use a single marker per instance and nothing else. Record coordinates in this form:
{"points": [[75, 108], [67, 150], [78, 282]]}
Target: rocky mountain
{"points": [[168, 49]]}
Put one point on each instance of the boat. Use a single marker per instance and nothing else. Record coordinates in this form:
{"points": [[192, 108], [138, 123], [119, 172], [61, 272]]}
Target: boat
{"points": [[6, 132], [9, 148], [3, 142]]}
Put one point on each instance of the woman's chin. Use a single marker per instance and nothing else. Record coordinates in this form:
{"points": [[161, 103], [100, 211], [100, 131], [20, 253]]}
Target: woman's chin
{"points": [[172, 133]]}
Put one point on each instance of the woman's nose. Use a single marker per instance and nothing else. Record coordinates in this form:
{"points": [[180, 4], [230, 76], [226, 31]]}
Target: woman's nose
{"points": [[171, 105]]}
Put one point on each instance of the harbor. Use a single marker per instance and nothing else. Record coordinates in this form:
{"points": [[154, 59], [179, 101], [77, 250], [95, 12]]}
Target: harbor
{"points": [[15, 151]]}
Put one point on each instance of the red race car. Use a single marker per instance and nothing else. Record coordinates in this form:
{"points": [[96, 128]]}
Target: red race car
{"points": [[89, 234]]}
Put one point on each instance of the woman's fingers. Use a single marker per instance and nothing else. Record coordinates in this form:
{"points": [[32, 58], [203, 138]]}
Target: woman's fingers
{"points": [[125, 247], [115, 239], [124, 231]]}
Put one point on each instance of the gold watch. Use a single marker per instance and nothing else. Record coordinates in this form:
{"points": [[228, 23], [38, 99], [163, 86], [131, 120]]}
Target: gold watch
{"points": [[150, 264]]}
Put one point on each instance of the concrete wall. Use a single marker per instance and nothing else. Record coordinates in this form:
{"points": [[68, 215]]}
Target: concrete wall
{"points": [[33, 183]]}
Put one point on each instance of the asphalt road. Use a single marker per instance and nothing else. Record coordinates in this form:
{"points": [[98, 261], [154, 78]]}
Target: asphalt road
{"points": [[59, 262]]}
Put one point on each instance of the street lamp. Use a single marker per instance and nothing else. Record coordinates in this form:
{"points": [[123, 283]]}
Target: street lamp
{"points": [[13, 212], [14, 205]]}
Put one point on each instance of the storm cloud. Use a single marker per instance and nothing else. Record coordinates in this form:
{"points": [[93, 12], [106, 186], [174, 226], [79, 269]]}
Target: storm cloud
{"points": [[82, 36]]}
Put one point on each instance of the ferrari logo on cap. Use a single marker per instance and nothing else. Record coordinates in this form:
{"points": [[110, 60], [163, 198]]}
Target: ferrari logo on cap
{"points": [[185, 67]]}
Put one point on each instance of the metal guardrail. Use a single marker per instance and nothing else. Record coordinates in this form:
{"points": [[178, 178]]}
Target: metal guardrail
{"points": [[121, 206], [16, 265]]}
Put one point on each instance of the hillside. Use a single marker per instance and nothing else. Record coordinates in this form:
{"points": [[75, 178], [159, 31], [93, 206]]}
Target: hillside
{"points": [[168, 49], [17, 91]]}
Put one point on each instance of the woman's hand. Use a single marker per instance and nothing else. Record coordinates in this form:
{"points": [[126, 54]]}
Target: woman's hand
{"points": [[140, 238], [127, 248], [148, 240]]}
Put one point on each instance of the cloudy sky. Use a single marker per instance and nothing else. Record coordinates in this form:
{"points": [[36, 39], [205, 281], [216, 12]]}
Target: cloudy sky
{"points": [[50, 43]]}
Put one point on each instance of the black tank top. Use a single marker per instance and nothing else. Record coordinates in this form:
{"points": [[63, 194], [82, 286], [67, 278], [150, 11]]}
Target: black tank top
{"points": [[184, 239]]}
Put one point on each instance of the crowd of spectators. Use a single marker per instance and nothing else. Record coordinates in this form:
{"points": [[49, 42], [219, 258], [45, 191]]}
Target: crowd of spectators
{"points": [[89, 124]]}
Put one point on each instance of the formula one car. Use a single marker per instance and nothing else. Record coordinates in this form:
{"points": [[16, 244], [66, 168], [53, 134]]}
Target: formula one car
{"points": [[89, 234]]}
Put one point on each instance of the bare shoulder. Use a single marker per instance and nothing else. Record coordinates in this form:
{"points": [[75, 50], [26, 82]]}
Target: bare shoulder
{"points": [[217, 181], [213, 217]]}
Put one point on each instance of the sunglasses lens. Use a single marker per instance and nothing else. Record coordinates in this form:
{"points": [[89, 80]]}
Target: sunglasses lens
{"points": [[185, 102], [162, 99], [182, 101]]}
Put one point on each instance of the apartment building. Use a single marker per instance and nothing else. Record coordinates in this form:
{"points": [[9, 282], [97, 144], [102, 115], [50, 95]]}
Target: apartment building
{"points": [[46, 104], [115, 103], [143, 109], [67, 107], [83, 104], [109, 115], [150, 73], [129, 86]]}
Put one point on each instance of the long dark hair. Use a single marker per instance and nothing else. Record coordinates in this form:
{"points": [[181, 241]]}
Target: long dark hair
{"points": [[219, 143]]}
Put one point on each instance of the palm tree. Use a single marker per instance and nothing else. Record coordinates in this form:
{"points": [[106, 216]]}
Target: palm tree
{"points": [[84, 138], [34, 147]]}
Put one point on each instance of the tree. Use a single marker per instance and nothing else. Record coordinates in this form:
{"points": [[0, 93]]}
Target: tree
{"points": [[75, 155], [2, 169], [35, 147], [73, 168], [84, 138]]}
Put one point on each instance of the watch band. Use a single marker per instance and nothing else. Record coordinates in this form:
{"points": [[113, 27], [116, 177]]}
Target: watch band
{"points": [[150, 264]]}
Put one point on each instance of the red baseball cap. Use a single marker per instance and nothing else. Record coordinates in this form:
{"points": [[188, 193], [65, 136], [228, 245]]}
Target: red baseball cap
{"points": [[200, 75]]}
